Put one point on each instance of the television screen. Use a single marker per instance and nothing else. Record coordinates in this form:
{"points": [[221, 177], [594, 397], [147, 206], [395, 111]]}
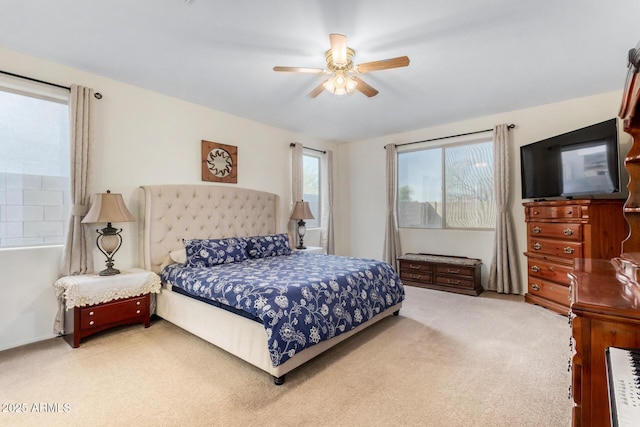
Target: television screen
{"points": [[582, 162]]}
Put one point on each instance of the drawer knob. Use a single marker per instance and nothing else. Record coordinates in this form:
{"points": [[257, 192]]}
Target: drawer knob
{"points": [[568, 232], [535, 287], [138, 303], [91, 323], [536, 213], [568, 250], [535, 268], [537, 246], [537, 230], [552, 268], [91, 313], [138, 312]]}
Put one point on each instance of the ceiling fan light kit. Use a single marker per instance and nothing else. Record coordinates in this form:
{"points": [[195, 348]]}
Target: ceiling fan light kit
{"points": [[344, 79]]}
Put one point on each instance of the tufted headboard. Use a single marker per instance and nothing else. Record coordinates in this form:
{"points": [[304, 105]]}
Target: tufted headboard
{"points": [[171, 213]]}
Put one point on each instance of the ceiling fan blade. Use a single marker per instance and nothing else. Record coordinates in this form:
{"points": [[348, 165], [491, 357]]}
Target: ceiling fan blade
{"points": [[317, 91], [365, 88], [400, 61], [338, 48], [299, 70]]}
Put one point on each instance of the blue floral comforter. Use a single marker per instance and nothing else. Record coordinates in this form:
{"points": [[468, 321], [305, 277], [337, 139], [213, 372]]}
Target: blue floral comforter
{"points": [[301, 298]]}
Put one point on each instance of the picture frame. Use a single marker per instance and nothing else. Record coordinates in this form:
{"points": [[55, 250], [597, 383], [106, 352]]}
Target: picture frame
{"points": [[219, 162]]}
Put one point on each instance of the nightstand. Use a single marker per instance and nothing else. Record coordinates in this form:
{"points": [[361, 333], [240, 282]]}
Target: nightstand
{"points": [[93, 303], [311, 250]]}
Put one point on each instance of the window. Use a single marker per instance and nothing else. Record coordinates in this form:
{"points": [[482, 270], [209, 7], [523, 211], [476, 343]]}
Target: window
{"points": [[34, 168], [447, 187], [311, 186]]}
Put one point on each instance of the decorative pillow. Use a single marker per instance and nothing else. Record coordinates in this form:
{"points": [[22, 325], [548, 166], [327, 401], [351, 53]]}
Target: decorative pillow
{"points": [[211, 252], [266, 246], [179, 256]]}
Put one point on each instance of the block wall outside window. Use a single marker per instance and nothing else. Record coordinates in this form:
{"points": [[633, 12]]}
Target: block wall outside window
{"points": [[34, 209]]}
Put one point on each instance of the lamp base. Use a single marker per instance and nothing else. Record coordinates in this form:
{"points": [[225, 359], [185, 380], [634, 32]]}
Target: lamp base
{"points": [[301, 246], [109, 271]]}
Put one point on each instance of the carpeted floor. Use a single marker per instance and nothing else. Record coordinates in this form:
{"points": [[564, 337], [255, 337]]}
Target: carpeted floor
{"points": [[447, 360]]}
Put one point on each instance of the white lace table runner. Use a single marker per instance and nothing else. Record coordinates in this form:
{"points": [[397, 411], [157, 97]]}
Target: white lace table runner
{"points": [[90, 289]]}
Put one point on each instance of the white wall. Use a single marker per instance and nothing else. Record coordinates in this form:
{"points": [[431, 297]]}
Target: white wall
{"points": [[141, 138], [365, 170]]}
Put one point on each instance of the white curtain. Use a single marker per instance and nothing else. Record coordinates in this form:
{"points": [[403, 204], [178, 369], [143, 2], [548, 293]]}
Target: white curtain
{"points": [[77, 257], [392, 249], [503, 274], [326, 237], [297, 182]]}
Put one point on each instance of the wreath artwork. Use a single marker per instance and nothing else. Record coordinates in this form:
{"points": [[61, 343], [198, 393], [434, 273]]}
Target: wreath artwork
{"points": [[219, 162]]}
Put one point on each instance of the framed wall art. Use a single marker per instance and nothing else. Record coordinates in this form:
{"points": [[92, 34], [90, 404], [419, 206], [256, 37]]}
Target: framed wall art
{"points": [[219, 162]]}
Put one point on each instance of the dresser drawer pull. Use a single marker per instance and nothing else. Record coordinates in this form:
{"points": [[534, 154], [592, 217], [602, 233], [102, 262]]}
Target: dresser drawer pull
{"points": [[453, 282], [536, 213], [537, 230], [552, 268], [91, 313], [138, 303], [535, 287], [537, 246], [568, 250], [454, 271], [138, 312], [91, 323], [414, 265], [567, 232], [535, 268]]}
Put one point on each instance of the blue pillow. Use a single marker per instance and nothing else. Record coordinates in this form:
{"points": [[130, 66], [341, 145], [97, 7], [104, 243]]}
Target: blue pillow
{"points": [[212, 252], [266, 246]]}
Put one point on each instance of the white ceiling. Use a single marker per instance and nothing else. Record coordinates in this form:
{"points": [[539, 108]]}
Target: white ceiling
{"points": [[468, 58]]}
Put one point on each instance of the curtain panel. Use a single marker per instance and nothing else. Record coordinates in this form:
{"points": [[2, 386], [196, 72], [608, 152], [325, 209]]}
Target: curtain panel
{"points": [[391, 250], [297, 182], [326, 237], [504, 274], [77, 255]]}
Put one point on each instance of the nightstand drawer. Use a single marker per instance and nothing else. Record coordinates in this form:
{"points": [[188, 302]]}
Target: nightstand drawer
{"points": [[116, 311]]}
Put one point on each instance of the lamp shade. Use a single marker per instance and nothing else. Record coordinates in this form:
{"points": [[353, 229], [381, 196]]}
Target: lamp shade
{"points": [[108, 207], [301, 210]]}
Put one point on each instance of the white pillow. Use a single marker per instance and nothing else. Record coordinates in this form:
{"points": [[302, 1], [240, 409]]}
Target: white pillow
{"points": [[179, 255]]}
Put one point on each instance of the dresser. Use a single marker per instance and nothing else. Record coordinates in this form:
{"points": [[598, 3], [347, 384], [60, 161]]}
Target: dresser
{"points": [[442, 272], [605, 312], [560, 231]]}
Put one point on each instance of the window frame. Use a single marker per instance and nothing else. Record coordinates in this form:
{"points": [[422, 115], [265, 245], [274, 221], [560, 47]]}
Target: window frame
{"points": [[443, 146], [47, 93], [318, 212]]}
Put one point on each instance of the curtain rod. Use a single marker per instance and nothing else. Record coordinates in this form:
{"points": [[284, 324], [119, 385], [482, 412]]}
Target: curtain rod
{"points": [[309, 148], [510, 126], [97, 95]]}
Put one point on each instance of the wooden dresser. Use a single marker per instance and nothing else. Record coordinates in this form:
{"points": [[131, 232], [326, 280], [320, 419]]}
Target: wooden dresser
{"points": [[442, 272], [605, 312], [560, 231]]}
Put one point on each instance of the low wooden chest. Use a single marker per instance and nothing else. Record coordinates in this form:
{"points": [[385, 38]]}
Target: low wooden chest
{"points": [[442, 272]]}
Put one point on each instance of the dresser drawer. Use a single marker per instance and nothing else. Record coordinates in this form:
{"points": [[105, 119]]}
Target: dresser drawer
{"points": [[548, 270], [416, 265], [549, 290], [116, 311], [555, 248], [555, 212], [564, 231], [457, 281], [455, 270], [416, 276]]}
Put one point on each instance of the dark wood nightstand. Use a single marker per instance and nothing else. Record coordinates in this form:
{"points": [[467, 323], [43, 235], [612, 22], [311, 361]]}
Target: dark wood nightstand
{"points": [[95, 303]]}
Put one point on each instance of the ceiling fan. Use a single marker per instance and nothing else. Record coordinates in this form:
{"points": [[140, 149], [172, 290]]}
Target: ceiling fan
{"points": [[343, 71]]}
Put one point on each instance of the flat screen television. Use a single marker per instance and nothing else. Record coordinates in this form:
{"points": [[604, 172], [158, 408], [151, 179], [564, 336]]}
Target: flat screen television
{"points": [[580, 163]]}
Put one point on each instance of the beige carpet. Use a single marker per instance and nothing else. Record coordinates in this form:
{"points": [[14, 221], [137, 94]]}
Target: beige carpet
{"points": [[447, 360]]}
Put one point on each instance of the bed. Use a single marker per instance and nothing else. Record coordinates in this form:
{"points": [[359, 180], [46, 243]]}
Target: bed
{"points": [[178, 218]]}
